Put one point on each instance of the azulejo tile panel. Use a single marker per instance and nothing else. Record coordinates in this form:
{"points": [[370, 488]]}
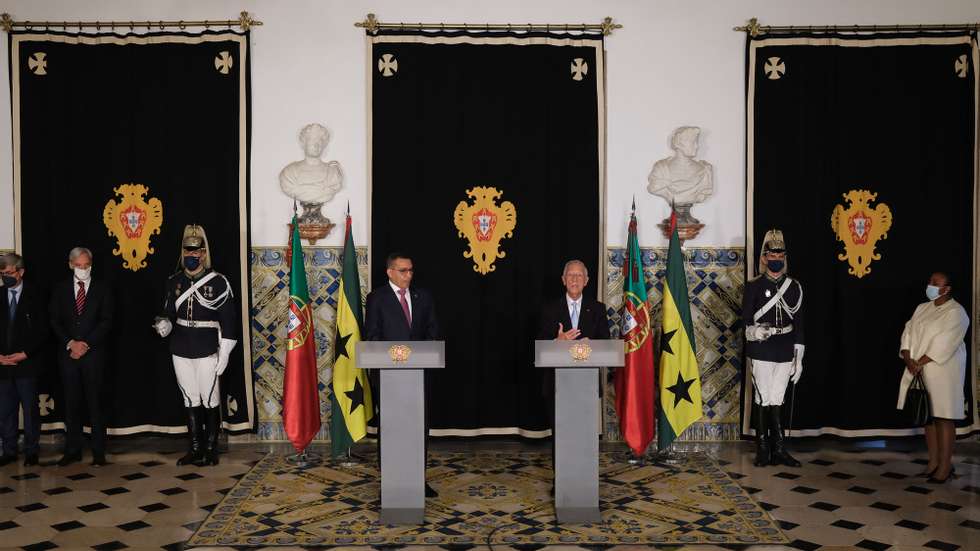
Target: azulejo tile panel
{"points": [[715, 282], [270, 296]]}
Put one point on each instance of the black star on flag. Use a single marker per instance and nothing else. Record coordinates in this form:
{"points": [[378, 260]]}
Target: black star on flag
{"points": [[356, 396], [341, 346], [681, 389], [665, 341]]}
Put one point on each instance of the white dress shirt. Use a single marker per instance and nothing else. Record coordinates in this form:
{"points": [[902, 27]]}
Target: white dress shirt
{"points": [[408, 295], [577, 304]]}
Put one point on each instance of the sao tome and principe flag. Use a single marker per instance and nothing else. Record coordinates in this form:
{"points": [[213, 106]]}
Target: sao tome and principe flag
{"points": [[680, 380], [300, 397], [635, 381], [350, 402]]}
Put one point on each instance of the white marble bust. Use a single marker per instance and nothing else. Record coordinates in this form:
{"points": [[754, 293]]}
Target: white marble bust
{"points": [[312, 181], [682, 179]]}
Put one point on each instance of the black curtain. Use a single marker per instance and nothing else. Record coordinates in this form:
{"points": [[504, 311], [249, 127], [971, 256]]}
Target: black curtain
{"points": [[522, 114], [894, 115], [168, 111]]}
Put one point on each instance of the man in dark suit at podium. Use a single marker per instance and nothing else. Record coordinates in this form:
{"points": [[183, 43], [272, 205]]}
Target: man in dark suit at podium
{"points": [[571, 317], [574, 316], [395, 311], [81, 316]]}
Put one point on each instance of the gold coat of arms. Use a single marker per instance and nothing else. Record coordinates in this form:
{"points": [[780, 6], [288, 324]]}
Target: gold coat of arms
{"points": [[132, 221], [860, 227], [484, 224]]}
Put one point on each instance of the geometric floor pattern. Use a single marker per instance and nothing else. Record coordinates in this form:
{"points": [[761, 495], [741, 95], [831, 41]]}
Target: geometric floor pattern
{"points": [[491, 498], [847, 495]]}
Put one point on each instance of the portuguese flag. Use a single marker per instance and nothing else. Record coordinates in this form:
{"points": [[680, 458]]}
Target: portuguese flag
{"points": [[350, 402], [634, 382], [300, 397], [680, 380]]}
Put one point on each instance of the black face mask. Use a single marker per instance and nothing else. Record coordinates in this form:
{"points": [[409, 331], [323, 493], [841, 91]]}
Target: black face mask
{"points": [[9, 281], [775, 265], [192, 262]]}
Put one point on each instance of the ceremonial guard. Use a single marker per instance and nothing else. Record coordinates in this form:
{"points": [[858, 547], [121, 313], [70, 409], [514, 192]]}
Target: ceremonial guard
{"points": [[199, 316], [772, 312]]}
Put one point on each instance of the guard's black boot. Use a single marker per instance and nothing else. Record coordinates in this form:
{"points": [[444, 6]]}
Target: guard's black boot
{"points": [[762, 452], [779, 454], [195, 453], [211, 421]]}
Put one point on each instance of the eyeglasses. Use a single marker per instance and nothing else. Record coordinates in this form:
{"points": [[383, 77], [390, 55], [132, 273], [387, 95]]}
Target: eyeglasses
{"points": [[405, 270]]}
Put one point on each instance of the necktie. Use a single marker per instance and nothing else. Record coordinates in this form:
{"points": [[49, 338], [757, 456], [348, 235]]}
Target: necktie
{"points": [[404, 301], [13, 304], [80, 298], [575, 315]]}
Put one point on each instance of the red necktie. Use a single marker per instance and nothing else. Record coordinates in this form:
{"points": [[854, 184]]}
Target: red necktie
{"points": [[404, 301], [80, 298]]}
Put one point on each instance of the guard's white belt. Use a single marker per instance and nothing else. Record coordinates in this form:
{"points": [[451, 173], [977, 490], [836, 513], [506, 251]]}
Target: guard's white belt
{"points": [[775, 330], [196, 323]]}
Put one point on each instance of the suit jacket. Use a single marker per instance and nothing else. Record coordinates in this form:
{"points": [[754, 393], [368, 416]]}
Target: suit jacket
{"points": [[385, 321], [592, 324], [592, 320], [92, 326], [28, 333]]}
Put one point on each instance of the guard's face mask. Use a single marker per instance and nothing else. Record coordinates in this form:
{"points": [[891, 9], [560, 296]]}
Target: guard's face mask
{"points": [[192, 262], [774, 265]]}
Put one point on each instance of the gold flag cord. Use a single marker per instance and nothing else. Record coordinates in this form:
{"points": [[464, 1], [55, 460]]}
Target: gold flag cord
{"points": [[372, 25], [753, 28], [245, 21]]}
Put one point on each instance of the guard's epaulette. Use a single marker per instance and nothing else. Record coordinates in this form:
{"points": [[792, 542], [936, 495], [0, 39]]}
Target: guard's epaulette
{"points": [[757, 276], [175, 274]]}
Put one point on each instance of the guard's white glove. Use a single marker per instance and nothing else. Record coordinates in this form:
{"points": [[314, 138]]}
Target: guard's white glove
{"points": [[797, 363], [759, 333], [162, 326], [224, 352]]}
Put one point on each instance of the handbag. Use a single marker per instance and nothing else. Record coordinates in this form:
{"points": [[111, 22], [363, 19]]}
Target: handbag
{"points": [[917, 405]]}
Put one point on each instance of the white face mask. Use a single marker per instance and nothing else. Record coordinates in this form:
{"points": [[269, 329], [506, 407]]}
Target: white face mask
{"points": [[83, 274], [932, 292]]}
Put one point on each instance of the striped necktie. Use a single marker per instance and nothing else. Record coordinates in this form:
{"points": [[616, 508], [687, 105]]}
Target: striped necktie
{"points": [[80, 299]]}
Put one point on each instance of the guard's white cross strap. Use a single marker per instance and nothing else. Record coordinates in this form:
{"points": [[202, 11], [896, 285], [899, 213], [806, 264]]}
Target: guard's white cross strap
{"points": [[193, 288], [774, 300]]}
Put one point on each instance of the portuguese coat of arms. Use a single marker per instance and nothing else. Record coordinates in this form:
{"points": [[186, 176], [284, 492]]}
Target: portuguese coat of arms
{"points": [[132, 221], [860, 227], [484, 224]]}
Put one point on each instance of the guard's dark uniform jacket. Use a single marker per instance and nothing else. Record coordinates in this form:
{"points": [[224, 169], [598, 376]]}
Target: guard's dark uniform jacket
{"points": [[778, 348], [186, 340]]}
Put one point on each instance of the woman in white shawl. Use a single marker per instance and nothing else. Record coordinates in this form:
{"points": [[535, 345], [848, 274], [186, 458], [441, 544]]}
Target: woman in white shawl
{"points": [[932, 344]]}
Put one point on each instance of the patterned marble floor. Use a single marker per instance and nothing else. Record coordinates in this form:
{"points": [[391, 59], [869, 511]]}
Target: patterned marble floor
{"points": [[846, 495]]}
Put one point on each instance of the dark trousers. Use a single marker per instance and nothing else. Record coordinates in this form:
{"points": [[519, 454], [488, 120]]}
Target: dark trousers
{"points": [[82, 380], [15, 393]]}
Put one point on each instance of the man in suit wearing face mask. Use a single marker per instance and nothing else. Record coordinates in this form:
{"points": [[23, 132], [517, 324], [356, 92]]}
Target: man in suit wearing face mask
{"points": [[772, 312], [81, 312], [200, 311], [23, 335]]}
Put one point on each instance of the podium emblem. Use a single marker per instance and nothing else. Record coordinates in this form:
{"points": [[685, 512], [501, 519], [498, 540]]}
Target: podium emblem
{"points": [[484, 224], [132, 221], [860, 227], [580, 351], [399, 353]]}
